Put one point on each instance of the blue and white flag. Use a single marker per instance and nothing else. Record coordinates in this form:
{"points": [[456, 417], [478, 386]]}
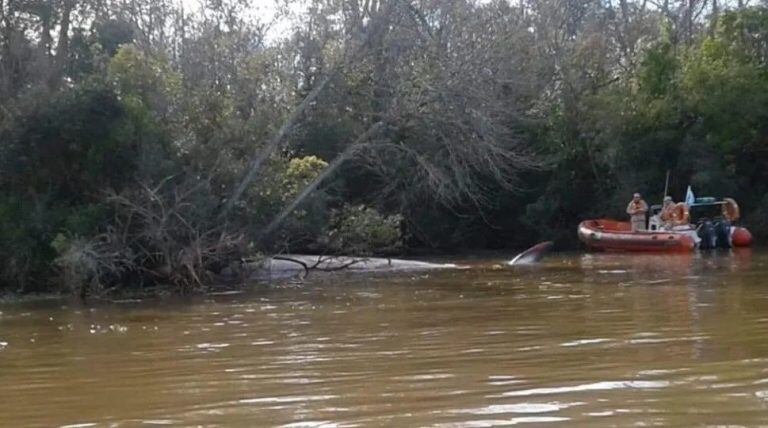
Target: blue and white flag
{"points": [[690, 199]]}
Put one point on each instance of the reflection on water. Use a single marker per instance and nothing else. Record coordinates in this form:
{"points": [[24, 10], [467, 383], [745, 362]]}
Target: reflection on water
{"points": [[590, 340]]}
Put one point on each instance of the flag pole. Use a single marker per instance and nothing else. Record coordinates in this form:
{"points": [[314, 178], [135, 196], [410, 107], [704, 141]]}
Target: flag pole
{"points": [[666, 185]]}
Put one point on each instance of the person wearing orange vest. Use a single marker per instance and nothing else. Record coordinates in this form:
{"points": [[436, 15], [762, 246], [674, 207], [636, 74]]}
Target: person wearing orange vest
{"points": [[636, 210], [668, 212]]}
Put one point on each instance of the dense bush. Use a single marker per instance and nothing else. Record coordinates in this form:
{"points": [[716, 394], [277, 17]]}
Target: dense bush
{"points": [[363, 231], [57, 160]]}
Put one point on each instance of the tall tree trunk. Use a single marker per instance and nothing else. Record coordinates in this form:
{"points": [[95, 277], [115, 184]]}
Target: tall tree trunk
{"points": [[5, 51], [6, 61], [62, 48], [45, 30], [689, 23], [624, 40], [349, 152]]}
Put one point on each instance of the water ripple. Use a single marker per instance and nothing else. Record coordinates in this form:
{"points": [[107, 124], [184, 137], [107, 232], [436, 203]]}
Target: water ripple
{"points": [[597, 386]]}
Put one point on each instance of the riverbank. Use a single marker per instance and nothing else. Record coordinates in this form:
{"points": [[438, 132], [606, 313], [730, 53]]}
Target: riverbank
{"points": [[249, 275]]}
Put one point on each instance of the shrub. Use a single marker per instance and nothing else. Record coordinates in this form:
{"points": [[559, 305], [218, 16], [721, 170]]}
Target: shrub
{"points": [[362, 231]]}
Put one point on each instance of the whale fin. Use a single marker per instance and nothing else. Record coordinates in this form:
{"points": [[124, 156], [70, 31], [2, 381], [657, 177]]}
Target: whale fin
{"points": [[531, 255]]}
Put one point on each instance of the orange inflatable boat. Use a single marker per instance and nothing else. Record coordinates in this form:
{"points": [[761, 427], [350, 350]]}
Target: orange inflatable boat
{"points": [[615, 235]]}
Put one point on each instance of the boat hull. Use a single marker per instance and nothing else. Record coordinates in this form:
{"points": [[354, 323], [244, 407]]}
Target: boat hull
{"points": [[611, 235], [741, 237]]}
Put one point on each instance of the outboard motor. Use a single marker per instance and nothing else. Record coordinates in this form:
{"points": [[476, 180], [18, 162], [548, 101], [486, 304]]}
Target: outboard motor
{"points": [[706, 231], [722, 229]]}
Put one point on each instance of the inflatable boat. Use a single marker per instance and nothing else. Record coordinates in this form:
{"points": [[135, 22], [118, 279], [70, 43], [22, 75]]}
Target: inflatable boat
{"points": [[706, 223], [612, 235]]}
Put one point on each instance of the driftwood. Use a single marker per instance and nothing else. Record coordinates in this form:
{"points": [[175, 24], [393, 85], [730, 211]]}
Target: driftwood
{"points": [[160, 236], [316, 265]]}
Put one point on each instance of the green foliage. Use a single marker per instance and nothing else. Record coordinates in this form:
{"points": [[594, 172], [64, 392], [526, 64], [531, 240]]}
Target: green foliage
{"points": [[58, 160], [657, 76], [278, 186], [284, 179], [151, 80], [728, 93], [70, 146], [76, 259], [747, 32], [300, 172], [363, 231], [24, 242]]}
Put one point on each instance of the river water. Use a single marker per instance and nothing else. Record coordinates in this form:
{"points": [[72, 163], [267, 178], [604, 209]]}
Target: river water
{"points": [[579, 340]]}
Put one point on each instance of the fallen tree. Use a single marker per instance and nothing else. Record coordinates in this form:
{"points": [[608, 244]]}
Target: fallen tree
{"points": [[166, 235]]}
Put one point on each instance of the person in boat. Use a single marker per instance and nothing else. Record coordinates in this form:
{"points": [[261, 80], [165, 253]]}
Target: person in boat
{"points": [[667, 215], [636, 210]]}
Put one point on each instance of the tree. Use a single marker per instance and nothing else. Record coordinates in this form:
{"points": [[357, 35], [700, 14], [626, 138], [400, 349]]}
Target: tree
{"points": [[438, 99]]}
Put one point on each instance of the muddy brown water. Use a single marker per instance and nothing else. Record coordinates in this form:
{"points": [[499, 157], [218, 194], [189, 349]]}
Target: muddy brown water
{"points": [[579, 340]]}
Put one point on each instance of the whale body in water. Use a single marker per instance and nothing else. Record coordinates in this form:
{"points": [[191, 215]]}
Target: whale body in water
{"points": [[531, 255]]}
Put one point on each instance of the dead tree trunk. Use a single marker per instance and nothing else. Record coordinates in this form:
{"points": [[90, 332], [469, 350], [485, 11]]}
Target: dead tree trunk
{"points": [[348, 153]]}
